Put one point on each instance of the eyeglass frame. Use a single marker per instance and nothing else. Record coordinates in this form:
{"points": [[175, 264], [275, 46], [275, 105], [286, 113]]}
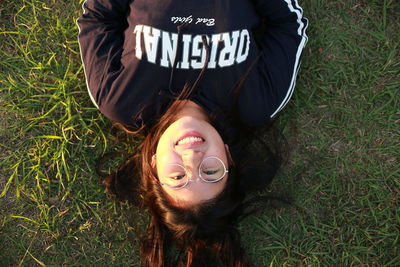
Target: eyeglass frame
{"points": [[192, 179]]}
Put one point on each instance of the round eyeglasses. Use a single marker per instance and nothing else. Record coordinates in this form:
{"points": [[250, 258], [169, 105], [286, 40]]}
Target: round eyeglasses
{"points": [[211, 170]]}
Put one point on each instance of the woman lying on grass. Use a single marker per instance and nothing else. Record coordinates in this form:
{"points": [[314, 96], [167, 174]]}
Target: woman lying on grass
{"points": [[194, 80]]}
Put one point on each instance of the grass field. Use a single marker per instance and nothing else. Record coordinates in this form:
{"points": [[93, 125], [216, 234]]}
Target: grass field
{"points": [[343, 125]]}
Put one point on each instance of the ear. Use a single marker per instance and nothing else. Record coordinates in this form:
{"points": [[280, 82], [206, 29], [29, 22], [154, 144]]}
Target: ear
{"points": [[153, 162], [154, 167], [229, 156]]}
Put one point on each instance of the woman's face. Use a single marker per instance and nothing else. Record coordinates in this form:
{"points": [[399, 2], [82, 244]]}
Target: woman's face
{"points": [[186, 142]]}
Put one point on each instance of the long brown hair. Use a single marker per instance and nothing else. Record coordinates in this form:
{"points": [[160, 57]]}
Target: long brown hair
{"points": [[204, 234]]}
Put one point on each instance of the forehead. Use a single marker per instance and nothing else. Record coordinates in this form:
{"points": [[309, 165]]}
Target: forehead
{"points": [[195, 193]]}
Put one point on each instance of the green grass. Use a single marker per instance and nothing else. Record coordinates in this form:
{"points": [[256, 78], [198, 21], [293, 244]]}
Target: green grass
{"points": [[343, 125]]}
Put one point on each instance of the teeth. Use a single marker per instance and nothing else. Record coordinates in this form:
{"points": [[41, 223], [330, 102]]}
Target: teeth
{"points": [[190, 139]]}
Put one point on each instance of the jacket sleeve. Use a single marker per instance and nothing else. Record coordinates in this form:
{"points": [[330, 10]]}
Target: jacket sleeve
{"points": [[281, 47], [101, 39]]}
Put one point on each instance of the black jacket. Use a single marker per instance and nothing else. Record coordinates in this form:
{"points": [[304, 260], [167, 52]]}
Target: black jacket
{"points": [[138, 54]]}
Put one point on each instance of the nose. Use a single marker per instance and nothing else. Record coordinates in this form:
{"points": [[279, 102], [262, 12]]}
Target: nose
{"points": [[191, 159]]}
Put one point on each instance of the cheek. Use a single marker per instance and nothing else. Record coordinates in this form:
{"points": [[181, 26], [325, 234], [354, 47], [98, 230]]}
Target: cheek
{"points": [[163, 156], [163, 144], [161, 153], [218, 147]]}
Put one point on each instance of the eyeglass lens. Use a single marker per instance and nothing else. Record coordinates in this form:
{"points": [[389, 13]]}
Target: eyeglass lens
{"points": [[211, 169]]}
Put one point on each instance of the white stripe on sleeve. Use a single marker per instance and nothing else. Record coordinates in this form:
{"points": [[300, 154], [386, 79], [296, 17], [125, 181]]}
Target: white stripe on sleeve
{"points": [[301, 32]]}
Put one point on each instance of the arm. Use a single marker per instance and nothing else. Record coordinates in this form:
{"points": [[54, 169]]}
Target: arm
{"points": [[281, 46], [101, 38]]}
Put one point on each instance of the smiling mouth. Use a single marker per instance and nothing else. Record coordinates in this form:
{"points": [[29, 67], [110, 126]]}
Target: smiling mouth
{"points": [[190, 138]]}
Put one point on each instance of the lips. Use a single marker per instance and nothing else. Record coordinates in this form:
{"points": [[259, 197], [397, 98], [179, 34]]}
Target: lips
{"points": [[190, 139]]}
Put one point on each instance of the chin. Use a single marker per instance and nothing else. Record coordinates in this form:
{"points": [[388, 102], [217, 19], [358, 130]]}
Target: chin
{"points": [[189, 122]]}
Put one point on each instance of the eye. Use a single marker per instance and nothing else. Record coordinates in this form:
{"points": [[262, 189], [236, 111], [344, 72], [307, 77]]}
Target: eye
{"points": [[176, 176], [210, 172]]}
